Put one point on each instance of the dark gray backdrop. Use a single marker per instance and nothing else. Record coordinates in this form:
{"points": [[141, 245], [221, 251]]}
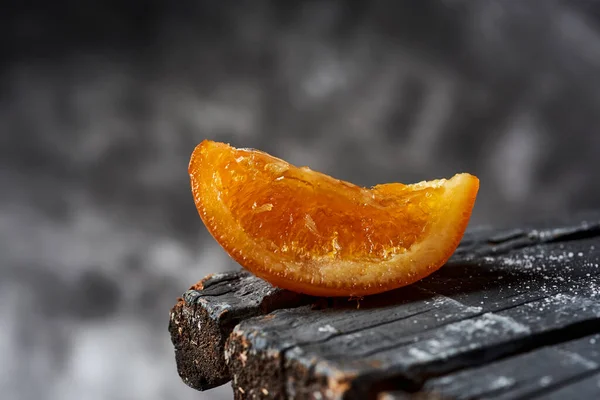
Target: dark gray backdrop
{"points": [[101, 104]]}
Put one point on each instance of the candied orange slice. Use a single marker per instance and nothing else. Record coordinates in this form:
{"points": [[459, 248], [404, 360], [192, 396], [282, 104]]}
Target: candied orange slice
{"points": [[308, 232]]}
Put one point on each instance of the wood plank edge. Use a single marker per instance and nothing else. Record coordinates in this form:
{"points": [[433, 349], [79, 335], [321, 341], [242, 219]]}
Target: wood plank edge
{"points": [[202, 320]]}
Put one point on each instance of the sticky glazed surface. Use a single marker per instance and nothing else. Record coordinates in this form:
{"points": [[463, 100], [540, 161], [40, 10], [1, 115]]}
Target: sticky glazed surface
{"points": [[305, 231]]}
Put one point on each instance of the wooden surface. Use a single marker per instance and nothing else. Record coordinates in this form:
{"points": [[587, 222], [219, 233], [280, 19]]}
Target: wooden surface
{"points": [[202, 320], [513, 314]]}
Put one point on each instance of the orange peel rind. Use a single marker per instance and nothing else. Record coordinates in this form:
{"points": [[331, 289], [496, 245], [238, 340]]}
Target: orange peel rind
{"points": [[308, 232]]}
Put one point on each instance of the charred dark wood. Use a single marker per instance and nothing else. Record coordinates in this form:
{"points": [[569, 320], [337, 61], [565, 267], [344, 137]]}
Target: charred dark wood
{"points": [[501, 295], [202, 320], [534, 374], [569, 370], [514, 314]]}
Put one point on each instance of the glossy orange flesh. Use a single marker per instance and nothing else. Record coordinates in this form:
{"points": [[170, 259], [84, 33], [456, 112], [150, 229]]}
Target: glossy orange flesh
{"points": [[307, 232]]}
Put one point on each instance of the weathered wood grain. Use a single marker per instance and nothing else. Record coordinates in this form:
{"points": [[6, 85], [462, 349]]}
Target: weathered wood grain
{"points": [[586, 388], [507, 299], [202, 320], [569, 370], [502, 294], [532, 374]]}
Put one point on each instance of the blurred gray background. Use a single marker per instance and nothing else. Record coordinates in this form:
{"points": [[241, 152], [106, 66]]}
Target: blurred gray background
{"points": [[102, 102]]}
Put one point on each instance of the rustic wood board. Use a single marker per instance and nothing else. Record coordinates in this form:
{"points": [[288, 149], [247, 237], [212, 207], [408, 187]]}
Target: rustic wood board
{"points": [[203, 318], [532, 374], [568, 370], [504, 295]]}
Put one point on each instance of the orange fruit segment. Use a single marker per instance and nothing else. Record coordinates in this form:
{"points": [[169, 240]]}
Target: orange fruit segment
{"points": [[308, 232]]}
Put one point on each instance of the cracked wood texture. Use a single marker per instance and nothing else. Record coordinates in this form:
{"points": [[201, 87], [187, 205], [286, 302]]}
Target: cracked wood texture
{"points": [[514, 314], [203, 318]]}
